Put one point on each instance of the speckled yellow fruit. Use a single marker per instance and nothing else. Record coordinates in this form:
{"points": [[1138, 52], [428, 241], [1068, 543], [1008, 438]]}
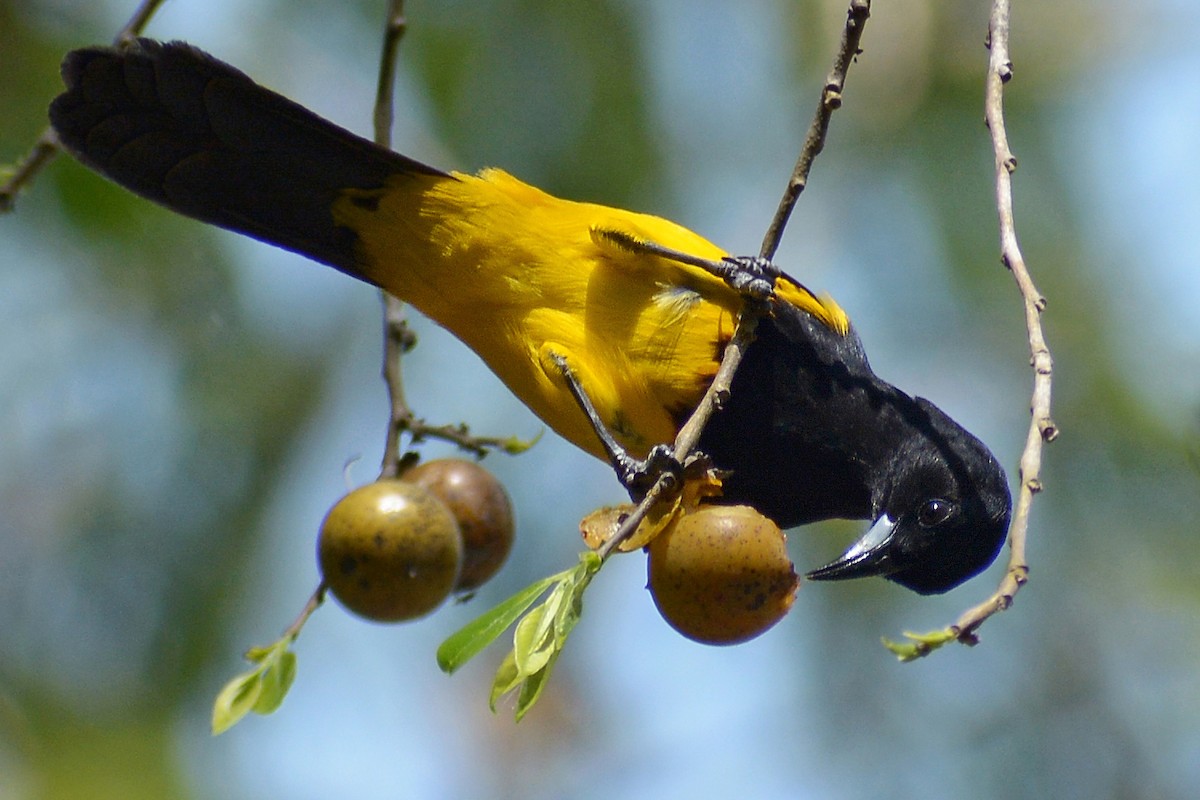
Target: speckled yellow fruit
{"points": [[482, 509], [721, 574], [390, 551]]}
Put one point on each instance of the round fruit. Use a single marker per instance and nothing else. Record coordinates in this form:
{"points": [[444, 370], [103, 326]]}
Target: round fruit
{"points": [[390, 551], [482, 508], [721, 574]]}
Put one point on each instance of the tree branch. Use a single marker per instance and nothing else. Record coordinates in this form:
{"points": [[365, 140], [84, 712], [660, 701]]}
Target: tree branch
{"points": [[814, 142], [45, 148], [398, 338], [1042, 428]]}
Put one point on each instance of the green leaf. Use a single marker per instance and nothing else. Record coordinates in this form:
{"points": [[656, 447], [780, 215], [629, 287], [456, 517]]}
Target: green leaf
{"points": [[514, 446], [464, 645], [257, 655], [531, 688], [236, 700], [260, 690], [276, 680], [507, 679], [533, 640], [569, 612], [919, 644], [589, 564], [539, 637], [572, 608]]}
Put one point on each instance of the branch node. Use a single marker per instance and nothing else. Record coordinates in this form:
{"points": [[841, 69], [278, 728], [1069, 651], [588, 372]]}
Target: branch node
{"points": [[1034, 485], [1005, 71], [967, 637], [1048, 429]]}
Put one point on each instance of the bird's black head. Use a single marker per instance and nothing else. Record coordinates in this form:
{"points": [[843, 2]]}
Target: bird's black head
{"points": [[942, 509]]}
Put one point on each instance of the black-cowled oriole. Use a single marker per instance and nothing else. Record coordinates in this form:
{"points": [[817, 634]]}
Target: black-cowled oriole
{"points": [[530, 282]]}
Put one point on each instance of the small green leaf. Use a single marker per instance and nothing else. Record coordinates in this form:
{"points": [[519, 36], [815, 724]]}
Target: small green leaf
{"points": [[464, 645], [919, 644], [569, 613], [533, 642], [589, 564], [514, 446], [531, 688], [235, 700], [538, 639], [276, 680], [257, 655], [507, 679]]}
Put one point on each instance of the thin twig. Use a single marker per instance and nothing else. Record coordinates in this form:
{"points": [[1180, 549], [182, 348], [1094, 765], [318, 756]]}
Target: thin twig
{"points": [[397, 338], [1042, 428], [689, 435], [137, 23], [315, 600], [45, 148], [393, 31], [814, 142], [42, 153]]}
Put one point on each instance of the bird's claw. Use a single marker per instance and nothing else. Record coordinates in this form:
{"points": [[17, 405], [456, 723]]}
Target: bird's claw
{"points": [[639, 475], [751, 276], [636, 475]]}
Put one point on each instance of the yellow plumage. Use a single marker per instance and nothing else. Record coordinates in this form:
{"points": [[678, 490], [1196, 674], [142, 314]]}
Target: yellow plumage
{"points": [[520, 275]]}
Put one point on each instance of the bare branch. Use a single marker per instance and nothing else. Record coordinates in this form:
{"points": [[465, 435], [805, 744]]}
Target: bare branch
{"points": [[398, 339], [46, 147], [42, 153], [814, 141], [137, 23], [1042, 428]]}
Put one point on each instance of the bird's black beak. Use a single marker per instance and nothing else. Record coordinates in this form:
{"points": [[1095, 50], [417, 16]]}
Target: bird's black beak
{"points": [[868, 557]]}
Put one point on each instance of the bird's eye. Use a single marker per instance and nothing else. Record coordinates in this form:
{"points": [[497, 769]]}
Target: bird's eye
{"points": [[934, 512]]}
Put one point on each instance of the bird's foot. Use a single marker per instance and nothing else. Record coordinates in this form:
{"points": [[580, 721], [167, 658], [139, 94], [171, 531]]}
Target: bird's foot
{"points": [[752, 277], [640, 475], [636, 475]]}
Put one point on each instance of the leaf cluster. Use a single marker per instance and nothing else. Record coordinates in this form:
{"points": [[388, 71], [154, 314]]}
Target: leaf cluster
{"points": [[539, 636], [261, 689]]}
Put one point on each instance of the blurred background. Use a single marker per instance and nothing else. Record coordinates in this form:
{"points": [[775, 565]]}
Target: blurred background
{"points": [[177, 406]]}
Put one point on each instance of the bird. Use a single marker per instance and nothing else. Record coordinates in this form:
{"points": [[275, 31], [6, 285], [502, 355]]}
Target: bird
{"points": [[560, 297]]}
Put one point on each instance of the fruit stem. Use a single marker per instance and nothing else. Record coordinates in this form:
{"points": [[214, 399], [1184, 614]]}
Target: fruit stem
{"points": [[314, 602]]}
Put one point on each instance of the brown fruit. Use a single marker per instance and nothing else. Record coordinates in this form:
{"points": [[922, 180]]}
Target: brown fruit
{"points": [[482, 508], [390, 551], [721, 574]]}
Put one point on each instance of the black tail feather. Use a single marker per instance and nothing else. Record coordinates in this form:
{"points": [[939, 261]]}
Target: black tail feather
{"points": [[192, 133]]}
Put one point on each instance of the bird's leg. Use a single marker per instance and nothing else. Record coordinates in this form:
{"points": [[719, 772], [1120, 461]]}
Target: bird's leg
{"points": [[750, 276], [636, 475]]}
